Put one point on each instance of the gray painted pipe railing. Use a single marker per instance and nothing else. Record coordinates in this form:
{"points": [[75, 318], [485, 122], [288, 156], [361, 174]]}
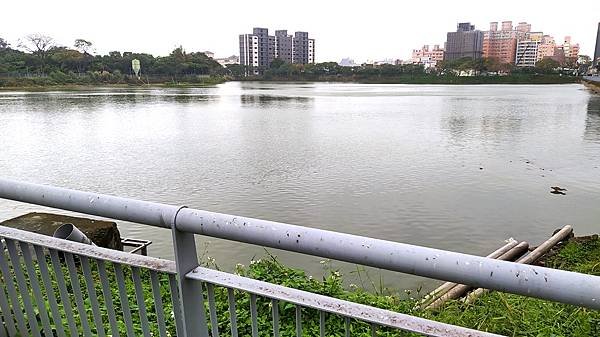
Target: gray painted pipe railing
{"points": [[533, 281]]}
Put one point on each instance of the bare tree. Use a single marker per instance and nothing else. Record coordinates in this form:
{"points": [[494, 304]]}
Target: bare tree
{"points": [[83, 46], [39, 45]]}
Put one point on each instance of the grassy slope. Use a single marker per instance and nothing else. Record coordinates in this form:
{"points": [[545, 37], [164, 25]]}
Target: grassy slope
{"points": [[515, 315], [496, 312]]}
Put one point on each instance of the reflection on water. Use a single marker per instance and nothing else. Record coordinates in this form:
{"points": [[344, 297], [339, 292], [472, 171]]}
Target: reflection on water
{"points": [[452, 167], [592, 123], [264, 100]]}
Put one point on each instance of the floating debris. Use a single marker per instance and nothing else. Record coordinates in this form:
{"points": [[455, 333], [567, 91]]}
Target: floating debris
{"points": [[558, 190]]}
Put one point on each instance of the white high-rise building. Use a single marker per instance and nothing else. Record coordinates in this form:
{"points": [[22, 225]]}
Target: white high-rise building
{"points": [[249, 50], [311, 51], [528, 49]]}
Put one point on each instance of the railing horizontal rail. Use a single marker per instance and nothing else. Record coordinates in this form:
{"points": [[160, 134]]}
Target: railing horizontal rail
{"points": [[144, 212], [332, 305], [135, 260], [450, 266]]}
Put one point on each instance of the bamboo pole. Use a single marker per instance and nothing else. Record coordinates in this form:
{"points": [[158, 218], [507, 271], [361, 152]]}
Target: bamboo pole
{"points": [[530, 258], [461, 289], [444, 288]]}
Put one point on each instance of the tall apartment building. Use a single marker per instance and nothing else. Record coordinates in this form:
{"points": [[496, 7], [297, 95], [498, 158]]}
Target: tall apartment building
{"points": [[559, 53], [285, 46], [311, 50], [429, 57], [548, 49], [266, 47], [528, 49], [249, 50], [302, 52], [597, 50], [500, 44], [259, 49], [465, 42], [570, 49]]}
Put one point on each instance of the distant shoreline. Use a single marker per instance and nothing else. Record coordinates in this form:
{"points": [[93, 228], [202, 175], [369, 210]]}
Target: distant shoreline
{"points": [[430, 79], [416, 80], [84, 87]]}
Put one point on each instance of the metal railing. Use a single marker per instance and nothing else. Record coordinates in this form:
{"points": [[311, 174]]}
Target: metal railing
{"points": [[61, 307], [195, 311]]}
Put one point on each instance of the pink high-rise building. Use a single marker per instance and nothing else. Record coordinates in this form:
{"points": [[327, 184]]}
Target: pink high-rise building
{"points": [[548, 49], [500, 44]]}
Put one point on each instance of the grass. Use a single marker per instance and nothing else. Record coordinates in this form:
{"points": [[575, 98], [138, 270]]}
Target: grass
{"points": [[495, 312], [515, 315]]}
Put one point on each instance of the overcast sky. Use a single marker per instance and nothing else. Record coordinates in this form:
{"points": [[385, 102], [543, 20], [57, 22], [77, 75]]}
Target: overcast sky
{"points": [[360, 30]]}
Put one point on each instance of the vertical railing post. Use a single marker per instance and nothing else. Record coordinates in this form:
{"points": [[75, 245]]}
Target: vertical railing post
{"points": [[190, 291]]}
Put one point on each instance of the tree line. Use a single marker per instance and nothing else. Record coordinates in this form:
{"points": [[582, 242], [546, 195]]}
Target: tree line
{"points": [[39, 56], [444, 72]]}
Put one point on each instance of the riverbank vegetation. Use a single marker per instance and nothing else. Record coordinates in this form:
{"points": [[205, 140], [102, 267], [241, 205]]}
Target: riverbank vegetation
{"points": [[462, 71], [38, 61], [501, 313], [496, 312]]}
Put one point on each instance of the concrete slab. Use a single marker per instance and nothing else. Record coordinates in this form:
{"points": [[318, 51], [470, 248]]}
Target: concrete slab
{"points": [[102, 233]]}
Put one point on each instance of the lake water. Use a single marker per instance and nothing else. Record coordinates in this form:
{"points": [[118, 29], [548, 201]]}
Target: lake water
{"points": [[452, 167]]}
